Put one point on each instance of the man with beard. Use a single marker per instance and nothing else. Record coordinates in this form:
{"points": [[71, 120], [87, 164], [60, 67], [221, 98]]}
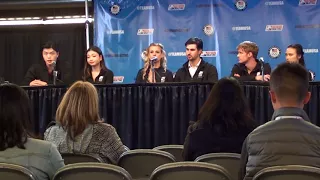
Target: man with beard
{"points": [[196, 69]]}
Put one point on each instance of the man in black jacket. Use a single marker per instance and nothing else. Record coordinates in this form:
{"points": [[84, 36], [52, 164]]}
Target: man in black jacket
{"points": [[42, 74], [249, 68], [196, 69], [289, 138]]}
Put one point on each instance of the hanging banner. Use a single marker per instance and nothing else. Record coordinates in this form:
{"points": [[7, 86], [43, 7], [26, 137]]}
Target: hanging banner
{"points": [[124, 28]]}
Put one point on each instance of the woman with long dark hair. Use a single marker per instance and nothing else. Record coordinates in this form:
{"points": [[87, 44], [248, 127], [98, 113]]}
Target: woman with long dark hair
{"points": [[224, 122], [295, 54], [95, 70], [16, 146]]}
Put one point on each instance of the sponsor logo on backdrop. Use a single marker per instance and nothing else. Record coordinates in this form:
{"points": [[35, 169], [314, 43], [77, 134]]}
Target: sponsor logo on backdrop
{"points": [[119, 55], [116, 32], [308, 26], [240, 5], [177, 30], [177, 54], [311, 50], [209, 5], [145, 31], [274, 3], [115, 9], [307, 2], [176, 7], [274, 52], [208, 29], [118, 79], [277, 27], [144, 8], [208, 54], [241, 28]]}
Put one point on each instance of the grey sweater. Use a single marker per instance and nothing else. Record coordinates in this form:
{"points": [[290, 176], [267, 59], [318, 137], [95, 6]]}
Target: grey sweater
{"points": [[99, 139]]}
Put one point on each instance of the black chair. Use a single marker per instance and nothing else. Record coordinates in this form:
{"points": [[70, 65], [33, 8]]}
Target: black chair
{"points": [[141, 162], [289, 172], [229, 161], [15, 172], [190, 171], [175, 150], [71, 158], [94, 171]]}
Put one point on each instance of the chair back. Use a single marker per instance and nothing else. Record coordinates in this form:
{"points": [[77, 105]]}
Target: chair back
{"points": [[71, 158], [175, 150], [190, 171], [290, 172], [141, 162], [229, 161], [94, 171], [15, 172]]}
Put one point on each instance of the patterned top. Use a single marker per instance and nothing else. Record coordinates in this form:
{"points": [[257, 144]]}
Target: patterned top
{"points": [[99, 139]]}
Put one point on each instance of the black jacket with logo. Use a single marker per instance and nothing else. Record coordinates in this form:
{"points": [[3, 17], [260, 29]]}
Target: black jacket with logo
{"points": [[241, 69], [104, 77], [160, 75], [205, 73]]}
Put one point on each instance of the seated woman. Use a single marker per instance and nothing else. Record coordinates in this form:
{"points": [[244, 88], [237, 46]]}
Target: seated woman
{"points": [[79, 128], [224, 122], [156, 56], [295, 54], [16, 146], [95, 70]]}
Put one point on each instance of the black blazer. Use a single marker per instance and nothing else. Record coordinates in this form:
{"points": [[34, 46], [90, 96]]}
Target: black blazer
{"points": [[104, 77]]}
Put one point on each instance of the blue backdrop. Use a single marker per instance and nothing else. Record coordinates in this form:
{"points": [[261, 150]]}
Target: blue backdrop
{"points": [[124, 28]]}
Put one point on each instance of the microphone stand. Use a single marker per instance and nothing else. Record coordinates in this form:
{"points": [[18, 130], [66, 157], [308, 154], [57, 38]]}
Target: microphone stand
{"points": [[152, 70], [262, 70], [55, 75]]}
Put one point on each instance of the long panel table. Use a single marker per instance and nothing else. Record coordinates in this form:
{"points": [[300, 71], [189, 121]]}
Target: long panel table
{"points": [[147, 115]]}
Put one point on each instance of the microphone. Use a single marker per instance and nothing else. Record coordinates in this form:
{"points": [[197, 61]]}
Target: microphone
{"points": [[55, 73], [54, 63], [153, 59], [261, 60]]}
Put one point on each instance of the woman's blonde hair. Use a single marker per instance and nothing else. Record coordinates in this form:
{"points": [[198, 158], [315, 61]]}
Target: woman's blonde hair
{"points": [[78, 108], [145, 58]]}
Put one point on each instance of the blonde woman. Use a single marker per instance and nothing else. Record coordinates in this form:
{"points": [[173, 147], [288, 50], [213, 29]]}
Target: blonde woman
{"points": [[79, 128], [156, 56]]}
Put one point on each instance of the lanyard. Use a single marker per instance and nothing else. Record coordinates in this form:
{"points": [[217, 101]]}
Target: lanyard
{"points": [[288, 117]]}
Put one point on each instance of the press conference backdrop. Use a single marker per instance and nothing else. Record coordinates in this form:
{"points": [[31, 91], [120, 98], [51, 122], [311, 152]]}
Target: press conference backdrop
{"points": [[124, 28]]}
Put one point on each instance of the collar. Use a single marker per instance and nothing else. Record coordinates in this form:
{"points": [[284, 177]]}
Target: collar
{"points": [[189, 65], [290, 111]]}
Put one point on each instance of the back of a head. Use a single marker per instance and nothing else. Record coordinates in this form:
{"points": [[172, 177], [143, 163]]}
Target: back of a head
{"points": [[289, 82], [78, 108], [226, 105], [15, 116]]}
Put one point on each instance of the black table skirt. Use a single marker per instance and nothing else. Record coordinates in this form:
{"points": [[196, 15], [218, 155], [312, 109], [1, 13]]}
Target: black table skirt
{"points": [[147, 115]]}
